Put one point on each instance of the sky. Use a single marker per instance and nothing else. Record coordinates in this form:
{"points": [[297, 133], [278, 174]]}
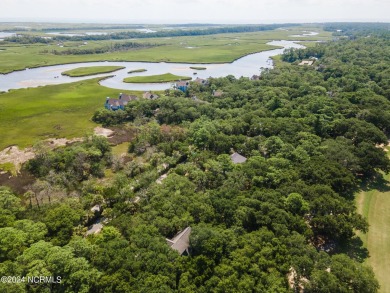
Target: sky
{"points": [[195, 11]]}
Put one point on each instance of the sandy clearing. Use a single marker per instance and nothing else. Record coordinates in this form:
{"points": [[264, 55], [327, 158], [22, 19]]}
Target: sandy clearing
{"points": [[103, 131], [18, 157], [58, 142]]}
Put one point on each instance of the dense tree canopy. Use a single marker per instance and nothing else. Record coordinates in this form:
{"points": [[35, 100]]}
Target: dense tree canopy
{"points": [[281, 221]]}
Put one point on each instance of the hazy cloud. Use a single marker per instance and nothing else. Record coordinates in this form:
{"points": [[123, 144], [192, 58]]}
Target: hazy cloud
{"points": [[171, 11]]}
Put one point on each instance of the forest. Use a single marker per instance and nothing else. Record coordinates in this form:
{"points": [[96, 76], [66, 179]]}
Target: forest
{"points": [[117, 47], [282, 221]]}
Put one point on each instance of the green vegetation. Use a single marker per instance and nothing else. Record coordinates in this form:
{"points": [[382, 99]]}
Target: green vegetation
{"points": [[198, 68], [220, 29], [137, 70], [120, 149], [85, 71], [8, 167], [29, 115], [283, 220], [109, 48], [166, 77], [374, 205], [210, 49]]}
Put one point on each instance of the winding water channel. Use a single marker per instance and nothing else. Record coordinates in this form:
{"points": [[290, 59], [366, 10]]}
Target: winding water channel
{"points": [[245, 66]]}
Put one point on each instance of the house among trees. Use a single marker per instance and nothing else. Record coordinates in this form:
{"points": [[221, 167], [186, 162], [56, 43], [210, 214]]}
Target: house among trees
{"points": [[306, 62], [237, 158], [150, 96], [217, 93], [181, 242], [201, 81], [120, 103], [182, 85]]}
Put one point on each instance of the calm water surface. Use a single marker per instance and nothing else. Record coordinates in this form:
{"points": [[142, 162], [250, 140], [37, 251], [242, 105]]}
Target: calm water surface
{"points": [[245, 66]]}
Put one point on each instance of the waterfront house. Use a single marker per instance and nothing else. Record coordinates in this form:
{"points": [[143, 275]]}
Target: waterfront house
{"points": [[120, 103], [201, 81], [182, 85], [150, 96]]}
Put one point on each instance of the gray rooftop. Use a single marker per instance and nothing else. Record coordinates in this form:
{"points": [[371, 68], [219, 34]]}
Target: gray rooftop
{"points": [[95, 228], [181, 241], [237, 158]]}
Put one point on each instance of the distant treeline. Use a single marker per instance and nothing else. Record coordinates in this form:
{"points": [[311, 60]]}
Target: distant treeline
{"points": [[165, 33], [354, 29], [174, 33], [106, 49], [28, 39], [129, 26]]}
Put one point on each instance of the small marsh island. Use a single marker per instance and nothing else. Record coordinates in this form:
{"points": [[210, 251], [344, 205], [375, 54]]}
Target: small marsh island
{"points": [[93, 70]]}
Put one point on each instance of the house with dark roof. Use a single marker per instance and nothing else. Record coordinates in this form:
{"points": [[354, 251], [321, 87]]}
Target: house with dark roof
{"points": [[181, 242], [120, 103], [150, 96], [237, 158]]}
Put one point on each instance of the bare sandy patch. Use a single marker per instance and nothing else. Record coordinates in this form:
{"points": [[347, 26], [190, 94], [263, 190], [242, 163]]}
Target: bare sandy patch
{"points": [[58, 142], [103, 131], [16, 156]]}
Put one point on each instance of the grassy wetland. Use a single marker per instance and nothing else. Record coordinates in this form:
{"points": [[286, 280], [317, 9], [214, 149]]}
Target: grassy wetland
{"points": [[167, 77], [373, 204], [55, 111], [86, 71], [65, 110], [218, 48]]}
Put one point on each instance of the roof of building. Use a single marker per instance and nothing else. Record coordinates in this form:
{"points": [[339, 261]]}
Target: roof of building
{"points": [[122, 101], [200, 80], [181, 241], [114, 102], [306, 62], [237, 158], [127, 98], [217, 93], [182, 83], [149, 95]]}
